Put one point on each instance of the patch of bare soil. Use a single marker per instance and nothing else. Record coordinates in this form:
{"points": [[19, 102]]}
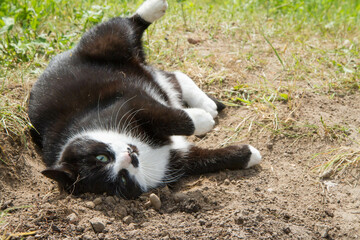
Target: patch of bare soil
{"points": [[282, 198]]}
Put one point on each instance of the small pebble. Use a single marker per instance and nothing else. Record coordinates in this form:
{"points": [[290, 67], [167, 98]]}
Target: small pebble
{"points": [[97, 201], [325, 232], [227, 182], [327, 174], [97, 224], [193, 41], [110, 200], [121, 211], [239, 220], [155, 201], [80, 228], [7, 204], [329, 213], [90, 204], [128, 219], [55, 228], [180, 197], [87, 237], [132, 226], [101, 236], [287, 230], [73, 218]]}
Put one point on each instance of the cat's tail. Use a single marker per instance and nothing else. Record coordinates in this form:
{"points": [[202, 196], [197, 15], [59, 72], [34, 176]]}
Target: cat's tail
{"points": [[152, 10], [198, 160], [119, 39]]}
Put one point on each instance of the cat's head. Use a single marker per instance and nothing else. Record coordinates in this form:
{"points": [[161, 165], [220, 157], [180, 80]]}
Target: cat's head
{"points": [[101, 162]]}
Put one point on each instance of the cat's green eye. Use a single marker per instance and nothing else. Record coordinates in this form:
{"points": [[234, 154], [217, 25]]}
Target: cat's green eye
{"points": [[123, 179], [102, 158]]}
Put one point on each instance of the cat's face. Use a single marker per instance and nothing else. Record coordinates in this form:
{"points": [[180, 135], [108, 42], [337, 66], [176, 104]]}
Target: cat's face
{"points": [[89, 165]]}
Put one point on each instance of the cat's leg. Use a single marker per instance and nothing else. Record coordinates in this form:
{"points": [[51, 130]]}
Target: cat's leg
{"points": [[195, 97], [161, 120], [198, 161]]}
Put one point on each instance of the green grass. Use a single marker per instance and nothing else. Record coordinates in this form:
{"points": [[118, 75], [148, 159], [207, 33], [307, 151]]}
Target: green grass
{"points": [[285, 48]]}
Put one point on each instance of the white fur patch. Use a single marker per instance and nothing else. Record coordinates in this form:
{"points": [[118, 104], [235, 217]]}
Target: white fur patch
{"points": [[154, 93], [167, 86], [180, 143], [255, 157], [202, 120], [152, 10], [194, 96]]}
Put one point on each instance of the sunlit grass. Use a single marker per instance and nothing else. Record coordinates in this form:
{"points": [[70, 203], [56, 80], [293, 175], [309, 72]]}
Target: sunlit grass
{"points": [[337, 161]]}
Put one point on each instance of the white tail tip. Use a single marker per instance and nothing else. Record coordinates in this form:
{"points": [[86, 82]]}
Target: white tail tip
{"points": [[255, 157], [152, 10]]}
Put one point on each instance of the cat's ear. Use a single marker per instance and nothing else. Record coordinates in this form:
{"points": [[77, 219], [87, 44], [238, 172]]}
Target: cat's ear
{"points": [[60, 175]]}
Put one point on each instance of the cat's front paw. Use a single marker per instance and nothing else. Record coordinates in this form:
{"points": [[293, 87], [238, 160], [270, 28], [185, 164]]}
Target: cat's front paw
{"points": [[152, 10], [203, 121]]}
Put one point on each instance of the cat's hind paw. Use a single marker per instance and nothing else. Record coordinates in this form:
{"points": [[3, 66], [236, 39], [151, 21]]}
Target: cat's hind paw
{"points": [[152, 10], [255, 157], [209, 106], [203, 121]]}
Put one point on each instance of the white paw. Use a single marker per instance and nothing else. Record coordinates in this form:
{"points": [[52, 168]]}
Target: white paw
{"points": [[193, 95], [152, 10], [255, 157], [209, 105], [202, 120]]}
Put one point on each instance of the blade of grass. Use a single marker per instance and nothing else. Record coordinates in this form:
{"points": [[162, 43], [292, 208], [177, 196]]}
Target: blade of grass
{"points": [[276, 53]]}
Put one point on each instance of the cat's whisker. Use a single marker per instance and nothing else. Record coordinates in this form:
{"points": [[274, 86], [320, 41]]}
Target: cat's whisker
{"points": [[120, 121], [117, 114], [165, 180], [124, 123], [151, 179], [129, 122], [98, 111], [168, 178], [135, 127]]}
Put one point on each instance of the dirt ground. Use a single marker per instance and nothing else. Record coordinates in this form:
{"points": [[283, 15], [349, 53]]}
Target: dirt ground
{"points": [[282, 198]]}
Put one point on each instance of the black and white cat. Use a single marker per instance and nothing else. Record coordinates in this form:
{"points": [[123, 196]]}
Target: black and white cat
{"points": [[106, 121]]}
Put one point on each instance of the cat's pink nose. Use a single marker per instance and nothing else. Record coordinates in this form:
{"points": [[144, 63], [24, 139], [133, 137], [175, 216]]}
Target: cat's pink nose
{"points": [[126, 160]]}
